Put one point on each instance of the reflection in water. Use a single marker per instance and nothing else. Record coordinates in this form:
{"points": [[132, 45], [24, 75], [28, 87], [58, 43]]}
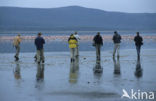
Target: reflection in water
{"points": [[40, 72], [98, 68], [40, 76], [17, 73], [74, 69], [138, 72], [116, 65]]}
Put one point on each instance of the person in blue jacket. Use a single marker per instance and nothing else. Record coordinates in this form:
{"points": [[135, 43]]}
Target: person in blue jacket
{"points": [[39, 42]]}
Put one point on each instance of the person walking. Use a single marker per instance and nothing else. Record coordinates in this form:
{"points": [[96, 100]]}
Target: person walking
{"points": [[39, 42], [98, 42], [78, 39], [72, 45], [117, 40], [16, 44], [138, 43]]}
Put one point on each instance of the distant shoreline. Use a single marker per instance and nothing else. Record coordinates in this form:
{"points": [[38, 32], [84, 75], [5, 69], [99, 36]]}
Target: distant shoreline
{"points": [[83, 37]]}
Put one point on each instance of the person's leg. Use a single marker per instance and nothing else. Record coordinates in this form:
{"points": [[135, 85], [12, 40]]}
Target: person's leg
{"points": [[74, 53], [96, 46], [77, 50], [71, 54], [137, 48], [118, 50], [38, 56], [42, 55], [99, 53], [115, 47], [17, 52]]}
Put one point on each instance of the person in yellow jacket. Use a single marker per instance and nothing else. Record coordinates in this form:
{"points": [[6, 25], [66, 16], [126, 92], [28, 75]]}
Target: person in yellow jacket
{"points": [[16, 44], [72, 45]]}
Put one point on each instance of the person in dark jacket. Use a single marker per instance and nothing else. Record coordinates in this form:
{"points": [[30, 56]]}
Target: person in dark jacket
{"points": [[117, 40], [39, 42], [97, 42], [138, 43]]}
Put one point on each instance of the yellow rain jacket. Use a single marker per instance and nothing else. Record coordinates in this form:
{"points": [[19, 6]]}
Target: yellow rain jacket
{"points": [[16, 41], [72, 42]]}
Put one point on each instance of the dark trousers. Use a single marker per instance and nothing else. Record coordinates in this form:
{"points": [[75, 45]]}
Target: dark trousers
{"points": [[138, 48]]}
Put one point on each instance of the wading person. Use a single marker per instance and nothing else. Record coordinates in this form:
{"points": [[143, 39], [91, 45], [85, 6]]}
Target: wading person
{"points": [[16, 43], [39, 42], [78, 39], [117, 40], [72, 45], [98, 42], [138, 43]]}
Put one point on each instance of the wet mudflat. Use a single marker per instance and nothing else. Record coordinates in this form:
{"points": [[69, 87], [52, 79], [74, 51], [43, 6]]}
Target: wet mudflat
{"points": [[60, 80]]}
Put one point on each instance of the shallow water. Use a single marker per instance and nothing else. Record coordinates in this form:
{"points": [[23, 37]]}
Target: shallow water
{"points": [[56, 80]]}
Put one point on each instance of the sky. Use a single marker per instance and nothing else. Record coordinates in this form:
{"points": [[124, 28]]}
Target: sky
{"points": [[130, 6]]}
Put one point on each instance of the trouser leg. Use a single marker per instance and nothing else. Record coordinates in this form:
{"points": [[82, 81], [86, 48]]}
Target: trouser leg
{"points": [[42, 55], [138, 50], [74, 53], [71, 53], [38, 55], [118, 49], [77, 50], [17, 51], [98, 52], [115, 47]]}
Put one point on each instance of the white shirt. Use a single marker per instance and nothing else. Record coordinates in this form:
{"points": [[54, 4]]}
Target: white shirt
{"points": [[77, 37]]}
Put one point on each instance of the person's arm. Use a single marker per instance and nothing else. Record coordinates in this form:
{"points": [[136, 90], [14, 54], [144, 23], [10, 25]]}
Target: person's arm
{"points": [[43, 41], [68, 39], [141, 39], [94, 38], [113, 38], [35, 42], [78, 37], [101, 40], [135, 39]]}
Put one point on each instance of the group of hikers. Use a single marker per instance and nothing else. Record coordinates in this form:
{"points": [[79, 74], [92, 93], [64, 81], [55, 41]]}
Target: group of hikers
{"points": [[73, 42]]}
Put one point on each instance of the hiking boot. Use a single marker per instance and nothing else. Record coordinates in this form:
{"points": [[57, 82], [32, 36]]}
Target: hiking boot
{"points": [[16, 58]]}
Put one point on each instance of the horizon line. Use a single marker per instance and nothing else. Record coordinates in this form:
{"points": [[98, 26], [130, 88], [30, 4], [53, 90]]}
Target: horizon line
{"points": [[77, 6]]}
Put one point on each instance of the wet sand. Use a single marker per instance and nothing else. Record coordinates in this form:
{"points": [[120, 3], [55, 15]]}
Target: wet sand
{"points": [[56, 80]]}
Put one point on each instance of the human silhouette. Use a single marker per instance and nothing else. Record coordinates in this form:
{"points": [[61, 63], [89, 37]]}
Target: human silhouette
{"points": [[16, 44], [39, 42], [117, 40], [98, 42], [138, 43], [73, 46]]}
